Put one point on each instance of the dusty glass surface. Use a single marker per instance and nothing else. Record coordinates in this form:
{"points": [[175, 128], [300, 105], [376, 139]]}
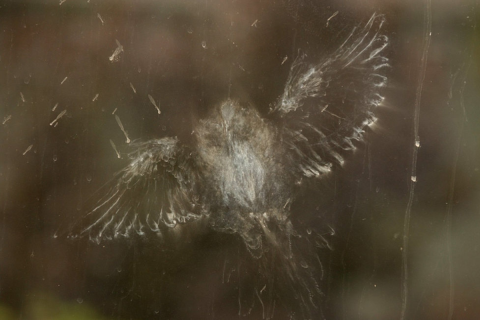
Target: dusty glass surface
{"points": [[290, 159]]}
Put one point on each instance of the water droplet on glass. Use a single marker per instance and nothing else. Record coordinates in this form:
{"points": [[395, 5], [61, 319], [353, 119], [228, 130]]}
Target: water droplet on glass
{"points": [[89, 178], [204, 44], [80, 300], [190, 30], [164, 128], [55, 158]]}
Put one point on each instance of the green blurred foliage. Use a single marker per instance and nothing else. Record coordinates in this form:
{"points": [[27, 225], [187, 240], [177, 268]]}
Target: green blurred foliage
{"points": [[6, 313], [43, 306]]}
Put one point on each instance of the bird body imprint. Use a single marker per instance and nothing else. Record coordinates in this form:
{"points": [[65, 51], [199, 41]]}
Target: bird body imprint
{"points": [[244, 170]]}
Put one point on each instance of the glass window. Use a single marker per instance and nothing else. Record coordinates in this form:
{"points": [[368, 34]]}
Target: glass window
{"points": [[291, 159]]}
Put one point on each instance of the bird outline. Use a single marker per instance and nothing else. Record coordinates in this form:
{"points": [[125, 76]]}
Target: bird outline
{"points": [[244, 171]]}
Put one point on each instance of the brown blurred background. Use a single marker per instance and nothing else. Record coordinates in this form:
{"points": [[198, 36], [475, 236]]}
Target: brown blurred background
{"points": [[189, 56]]}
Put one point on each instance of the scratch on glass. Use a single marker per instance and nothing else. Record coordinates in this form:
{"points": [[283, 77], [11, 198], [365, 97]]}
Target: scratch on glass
{"points": [[123, 129], [133, 88], [331, 17], [115, 57], [154, 104], [6, 119], [115, 148], [28, 149], [100, 17], [60, 115], [418, 99]]}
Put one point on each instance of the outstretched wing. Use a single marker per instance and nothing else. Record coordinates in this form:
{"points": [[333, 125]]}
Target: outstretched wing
{"points": [[157, 190], [326, 106]]}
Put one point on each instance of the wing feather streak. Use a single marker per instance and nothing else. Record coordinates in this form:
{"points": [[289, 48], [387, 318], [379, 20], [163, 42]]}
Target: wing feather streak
{"points": [[326, 107], [156, 191]]}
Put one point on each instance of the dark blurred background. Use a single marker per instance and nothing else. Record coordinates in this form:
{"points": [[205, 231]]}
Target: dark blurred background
{"points": [[189, 56]]}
